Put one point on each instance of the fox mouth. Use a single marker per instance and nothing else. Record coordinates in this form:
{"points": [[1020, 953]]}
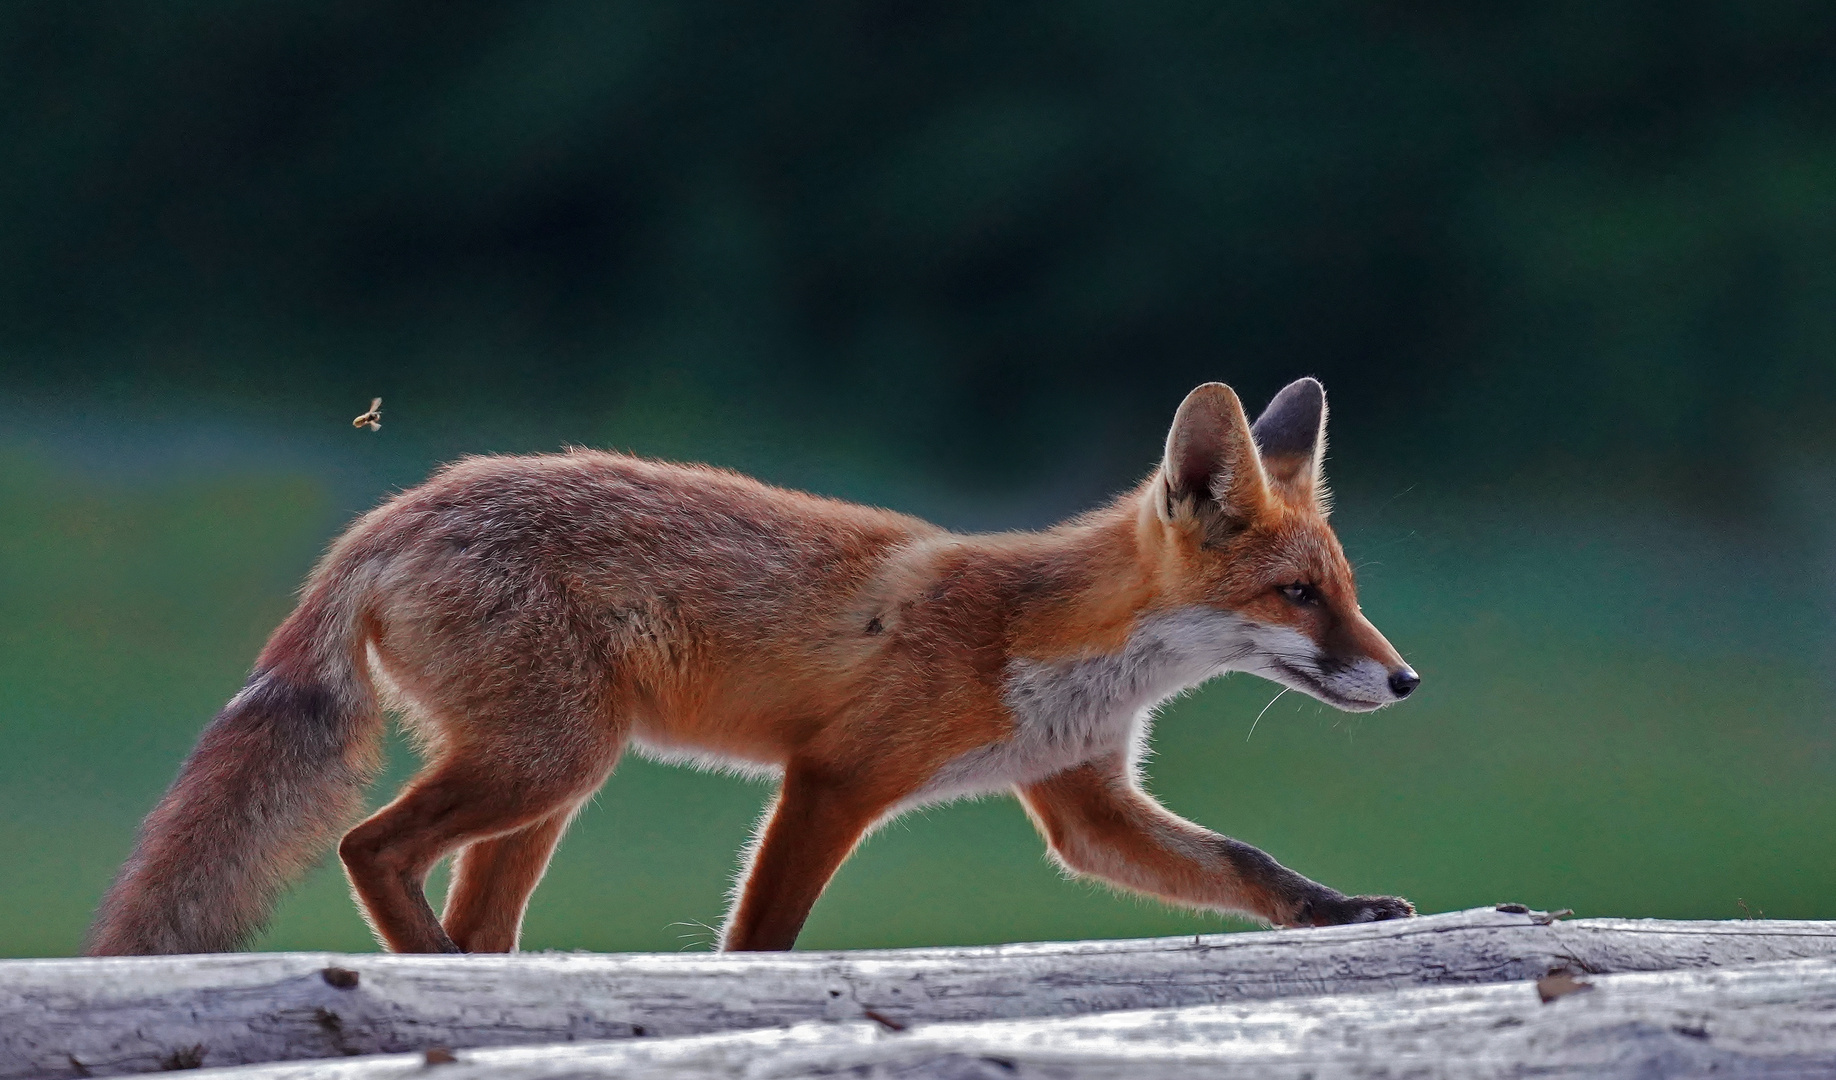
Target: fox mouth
{"points": [[1309, 683]]}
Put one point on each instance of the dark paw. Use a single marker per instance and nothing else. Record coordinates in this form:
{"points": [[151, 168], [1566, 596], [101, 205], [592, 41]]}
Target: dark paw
{"points": [[1337, 909], [1379, 908]]}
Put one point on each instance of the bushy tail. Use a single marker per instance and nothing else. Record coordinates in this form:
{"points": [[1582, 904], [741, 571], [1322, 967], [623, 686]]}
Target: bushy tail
{"points": [[272, 782]]}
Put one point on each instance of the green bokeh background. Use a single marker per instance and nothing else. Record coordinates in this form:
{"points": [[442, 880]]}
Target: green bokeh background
{"points": [[1568, 271]]}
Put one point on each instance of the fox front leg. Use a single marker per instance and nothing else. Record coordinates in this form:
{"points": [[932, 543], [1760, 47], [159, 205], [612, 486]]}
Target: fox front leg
{"points": [[1099, 823], [819, 817], [1293, 899]]}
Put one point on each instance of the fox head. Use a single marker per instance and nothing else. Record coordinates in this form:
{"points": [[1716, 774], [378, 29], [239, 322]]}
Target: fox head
{"points": [[1237, 517]]}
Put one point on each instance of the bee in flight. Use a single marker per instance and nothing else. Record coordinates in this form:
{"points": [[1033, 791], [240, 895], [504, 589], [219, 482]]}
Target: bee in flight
{"points": [[371, 419]]}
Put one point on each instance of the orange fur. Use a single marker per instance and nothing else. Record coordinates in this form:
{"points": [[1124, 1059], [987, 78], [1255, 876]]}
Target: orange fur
{"points": [[531, 616]]}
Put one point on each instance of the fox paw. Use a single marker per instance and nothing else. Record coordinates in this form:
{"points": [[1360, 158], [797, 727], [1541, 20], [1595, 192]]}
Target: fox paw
{"points": [[1338, 909]]}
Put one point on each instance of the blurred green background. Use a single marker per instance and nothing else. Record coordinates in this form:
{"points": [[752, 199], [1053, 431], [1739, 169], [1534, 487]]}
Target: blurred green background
{"points": [[1568, 271]]}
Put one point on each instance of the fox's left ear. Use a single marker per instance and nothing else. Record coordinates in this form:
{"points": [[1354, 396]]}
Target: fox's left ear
{"points": [[1211, 470], [1291, 435]]}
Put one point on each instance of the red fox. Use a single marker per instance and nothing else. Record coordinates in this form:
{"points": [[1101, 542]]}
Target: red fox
{"points": [[531, 616]]}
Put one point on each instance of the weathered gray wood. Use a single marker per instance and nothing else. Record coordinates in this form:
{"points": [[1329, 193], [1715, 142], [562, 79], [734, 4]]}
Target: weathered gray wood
{"points": [[1771, 1020], [70, 1017]]}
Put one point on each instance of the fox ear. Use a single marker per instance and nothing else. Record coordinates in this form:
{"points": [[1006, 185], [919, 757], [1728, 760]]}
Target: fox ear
{"points": [[1211, 468], [1291, 435]]}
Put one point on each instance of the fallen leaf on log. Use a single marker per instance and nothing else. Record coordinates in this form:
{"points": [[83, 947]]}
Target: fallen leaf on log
{"points": [[1559, 984]]}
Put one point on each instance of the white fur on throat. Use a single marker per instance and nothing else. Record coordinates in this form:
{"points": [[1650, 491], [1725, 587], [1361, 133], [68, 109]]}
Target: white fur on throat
{"points": [[1071, 711]]}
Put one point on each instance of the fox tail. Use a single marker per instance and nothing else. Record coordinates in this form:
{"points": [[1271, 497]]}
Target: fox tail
{"points": [[273, 780]]}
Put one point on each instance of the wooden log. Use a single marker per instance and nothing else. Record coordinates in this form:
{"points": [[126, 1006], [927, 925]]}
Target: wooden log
{"points": [[111, 1016], [1769, 1020]]}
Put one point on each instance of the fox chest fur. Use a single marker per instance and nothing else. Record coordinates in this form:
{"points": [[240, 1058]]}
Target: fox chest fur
{"points": [[1068, 711]]}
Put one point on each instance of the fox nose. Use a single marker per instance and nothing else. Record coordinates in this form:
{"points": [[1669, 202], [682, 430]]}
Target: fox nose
{"points": [[1403, 681]]}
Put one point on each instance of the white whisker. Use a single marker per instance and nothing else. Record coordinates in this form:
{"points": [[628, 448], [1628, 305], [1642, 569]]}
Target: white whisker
{"points": [[1265, 709]]}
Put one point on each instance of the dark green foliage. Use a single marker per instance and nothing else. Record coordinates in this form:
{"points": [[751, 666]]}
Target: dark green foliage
{"points": [[985, 235]]}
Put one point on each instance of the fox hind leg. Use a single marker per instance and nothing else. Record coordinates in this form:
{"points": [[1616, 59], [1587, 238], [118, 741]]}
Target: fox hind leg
{"points": [[481, 795], [492, 882]]}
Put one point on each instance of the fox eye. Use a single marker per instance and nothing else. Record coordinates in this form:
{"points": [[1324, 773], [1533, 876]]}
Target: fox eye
{"points": [[1301, 593]]}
